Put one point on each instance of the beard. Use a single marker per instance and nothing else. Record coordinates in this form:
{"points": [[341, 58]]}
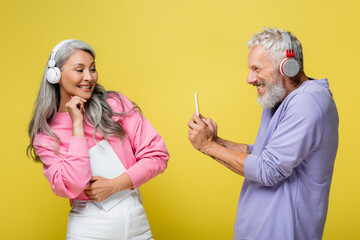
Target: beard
{"points": [[273, 95]]}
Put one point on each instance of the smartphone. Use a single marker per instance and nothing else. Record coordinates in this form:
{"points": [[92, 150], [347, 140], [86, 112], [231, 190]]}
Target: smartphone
{"points": [[197, 104]]}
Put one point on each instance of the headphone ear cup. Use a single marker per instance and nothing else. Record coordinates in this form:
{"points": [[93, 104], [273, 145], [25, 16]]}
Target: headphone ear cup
{"points": [[53, 75], [289, 67]]}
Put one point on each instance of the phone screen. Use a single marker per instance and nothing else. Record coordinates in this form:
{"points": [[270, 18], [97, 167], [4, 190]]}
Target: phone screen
{"points": [[197, 103]]}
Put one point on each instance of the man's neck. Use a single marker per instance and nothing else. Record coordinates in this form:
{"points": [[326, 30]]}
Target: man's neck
{"points": [[298, 79], [293, 83]]}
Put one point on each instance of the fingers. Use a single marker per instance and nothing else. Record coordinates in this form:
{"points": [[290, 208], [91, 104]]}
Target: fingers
{"points": [[98, 190], [191, 133], [95, 178], [207, 121], [76, 99], [209, 124], [200, 123], [202, 117], [198, 119], [82, 108], [92, 196], [91, 192], [192, 124], [76, 103], [196, 122], [75, 107], [213, 123], [90, 186]]}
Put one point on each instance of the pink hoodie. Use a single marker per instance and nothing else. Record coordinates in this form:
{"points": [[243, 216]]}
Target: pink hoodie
{"points": [[143, 152]]}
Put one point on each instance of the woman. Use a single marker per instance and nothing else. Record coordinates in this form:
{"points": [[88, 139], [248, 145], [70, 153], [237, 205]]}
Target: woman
{"points": [[96, 147]]}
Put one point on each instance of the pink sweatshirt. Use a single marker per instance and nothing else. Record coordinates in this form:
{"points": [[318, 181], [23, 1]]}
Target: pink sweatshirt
{"points": [[143, 152]]}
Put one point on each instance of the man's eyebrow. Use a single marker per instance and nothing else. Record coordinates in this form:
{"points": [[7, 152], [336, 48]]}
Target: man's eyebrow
{"points": [[255, 66]]}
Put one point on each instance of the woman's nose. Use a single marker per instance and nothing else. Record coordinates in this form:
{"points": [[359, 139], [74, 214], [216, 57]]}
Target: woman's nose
{"points": [[87, 76]]}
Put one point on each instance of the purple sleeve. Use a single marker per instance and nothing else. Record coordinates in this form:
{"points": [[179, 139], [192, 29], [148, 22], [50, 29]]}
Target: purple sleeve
{"points": [[298, 133], [68, 174]]}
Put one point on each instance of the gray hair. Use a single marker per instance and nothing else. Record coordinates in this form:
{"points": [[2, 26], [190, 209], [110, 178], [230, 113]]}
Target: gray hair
{"points": [[272, 40], [98, 112]]}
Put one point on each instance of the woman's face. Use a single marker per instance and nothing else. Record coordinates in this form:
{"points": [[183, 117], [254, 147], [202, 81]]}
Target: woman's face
{"points": [[78, 76]]}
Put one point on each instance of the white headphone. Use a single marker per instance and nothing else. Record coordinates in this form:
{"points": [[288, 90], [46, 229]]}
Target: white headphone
{"points": [[53, 73], [289, 67]]}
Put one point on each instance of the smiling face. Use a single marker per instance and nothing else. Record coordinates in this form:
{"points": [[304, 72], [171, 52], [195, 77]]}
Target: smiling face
{"points": [[265, 77], [78, 77]]}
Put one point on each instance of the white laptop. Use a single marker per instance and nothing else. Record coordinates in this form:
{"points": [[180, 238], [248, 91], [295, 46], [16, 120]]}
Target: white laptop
{"points": [[104, 162]]}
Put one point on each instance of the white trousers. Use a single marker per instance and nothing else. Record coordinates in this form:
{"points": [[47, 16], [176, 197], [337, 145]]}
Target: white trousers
{"points": [[126, 221]]}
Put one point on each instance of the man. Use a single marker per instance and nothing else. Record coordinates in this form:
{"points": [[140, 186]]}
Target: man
{"points": [[288, 170]]}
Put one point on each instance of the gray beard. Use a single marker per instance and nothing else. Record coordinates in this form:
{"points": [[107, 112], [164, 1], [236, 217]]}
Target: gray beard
{"points": [[273, 95]]}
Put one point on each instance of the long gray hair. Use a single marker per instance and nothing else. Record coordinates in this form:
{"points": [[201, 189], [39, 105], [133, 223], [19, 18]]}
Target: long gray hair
{"points": [[272, 40], [98, 113]]}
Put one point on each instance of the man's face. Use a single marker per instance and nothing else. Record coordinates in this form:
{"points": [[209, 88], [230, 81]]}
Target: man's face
{"points": [[265, 77]]}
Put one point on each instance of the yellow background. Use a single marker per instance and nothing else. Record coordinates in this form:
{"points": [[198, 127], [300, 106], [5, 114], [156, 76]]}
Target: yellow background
{"points": [[159, 53]]}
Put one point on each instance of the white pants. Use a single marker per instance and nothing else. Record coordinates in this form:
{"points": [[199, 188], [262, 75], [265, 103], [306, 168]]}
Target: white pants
{"points": [[127, 220]]}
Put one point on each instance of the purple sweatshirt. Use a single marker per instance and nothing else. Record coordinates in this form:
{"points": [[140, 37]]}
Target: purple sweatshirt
{"points": [[288, 173]]}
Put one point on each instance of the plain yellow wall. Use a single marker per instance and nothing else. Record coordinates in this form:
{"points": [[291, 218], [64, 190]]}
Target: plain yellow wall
{"points": [[158, 53]]}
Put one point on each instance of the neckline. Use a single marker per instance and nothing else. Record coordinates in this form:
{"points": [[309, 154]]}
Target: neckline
{"points": [[62, 116]]}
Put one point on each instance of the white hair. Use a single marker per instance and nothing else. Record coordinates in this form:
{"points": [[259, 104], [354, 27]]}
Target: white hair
{"points": [[272, 40]]}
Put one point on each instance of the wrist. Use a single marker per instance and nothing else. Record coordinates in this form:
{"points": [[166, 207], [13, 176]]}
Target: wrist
{"points": [[218, 140], [116, 185], [78, 129], [207, 149], [78, 124]]}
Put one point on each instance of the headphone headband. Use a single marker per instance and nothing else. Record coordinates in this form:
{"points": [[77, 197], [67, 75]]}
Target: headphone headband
{"points": [[51, 62], [287, 40]]}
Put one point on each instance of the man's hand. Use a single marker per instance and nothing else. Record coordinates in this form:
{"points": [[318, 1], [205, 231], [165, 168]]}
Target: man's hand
{"points": [[202, 132], [203, 137]]}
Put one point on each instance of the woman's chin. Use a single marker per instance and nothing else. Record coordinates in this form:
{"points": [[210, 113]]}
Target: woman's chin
{"points": [[84, 94]]}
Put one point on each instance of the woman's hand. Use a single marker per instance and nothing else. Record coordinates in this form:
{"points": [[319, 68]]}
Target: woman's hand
{"points": [[202, 132], [100, 188], [76, 109]]}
